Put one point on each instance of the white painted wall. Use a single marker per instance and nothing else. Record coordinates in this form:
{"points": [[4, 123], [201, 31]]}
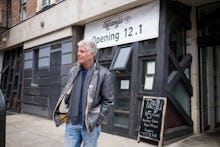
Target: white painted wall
{"points": [[59, 34], [192, 48], [64, 14]]}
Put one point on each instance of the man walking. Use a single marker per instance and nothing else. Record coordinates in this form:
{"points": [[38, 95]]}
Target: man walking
{"points": [[87, 99]]}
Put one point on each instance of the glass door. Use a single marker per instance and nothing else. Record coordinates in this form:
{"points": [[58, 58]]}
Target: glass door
{"points": [[118, 61], [122, 102]]}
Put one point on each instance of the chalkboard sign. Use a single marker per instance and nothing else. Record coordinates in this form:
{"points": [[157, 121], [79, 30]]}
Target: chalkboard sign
{"points": [[152, 118]]}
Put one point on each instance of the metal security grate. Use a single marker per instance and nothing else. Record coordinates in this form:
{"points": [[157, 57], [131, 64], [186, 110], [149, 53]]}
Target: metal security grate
{"points": [[11, 79]]}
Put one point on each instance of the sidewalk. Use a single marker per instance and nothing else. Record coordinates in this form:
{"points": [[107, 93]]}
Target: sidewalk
{"points": [[24, 130]]}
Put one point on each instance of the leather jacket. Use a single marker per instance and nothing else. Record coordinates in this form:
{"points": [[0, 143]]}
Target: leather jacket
{"points": [[100, 97]]}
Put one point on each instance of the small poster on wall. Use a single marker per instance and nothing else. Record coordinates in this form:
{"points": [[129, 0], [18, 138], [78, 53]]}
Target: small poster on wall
{"points": [[124, 84]]}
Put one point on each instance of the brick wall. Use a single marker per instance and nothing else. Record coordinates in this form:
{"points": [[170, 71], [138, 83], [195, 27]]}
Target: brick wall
{"points": [[3, 4], [3, 13], [15, 12], [31, 7]]}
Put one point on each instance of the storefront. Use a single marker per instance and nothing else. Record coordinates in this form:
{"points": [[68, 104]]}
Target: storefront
{"points": [[145, 51], [161, 48], [46, 69]]}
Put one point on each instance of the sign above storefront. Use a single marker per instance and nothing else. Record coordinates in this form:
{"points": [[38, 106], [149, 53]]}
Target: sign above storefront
{"points": [[138, 24]]}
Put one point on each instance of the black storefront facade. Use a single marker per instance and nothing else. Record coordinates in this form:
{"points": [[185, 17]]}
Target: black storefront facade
{"points": [[146, 57], [158, 66]]}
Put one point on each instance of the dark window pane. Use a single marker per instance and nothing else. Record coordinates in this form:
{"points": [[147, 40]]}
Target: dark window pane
{"points": [[121, 120], [122, 58], [123, 104]]}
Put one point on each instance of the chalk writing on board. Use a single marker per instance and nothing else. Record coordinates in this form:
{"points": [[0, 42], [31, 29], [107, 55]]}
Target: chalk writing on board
{"points": [[154, 104], [151, 118]]}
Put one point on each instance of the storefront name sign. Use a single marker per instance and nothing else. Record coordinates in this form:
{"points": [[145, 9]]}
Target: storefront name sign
{"points": [[134, 25]]}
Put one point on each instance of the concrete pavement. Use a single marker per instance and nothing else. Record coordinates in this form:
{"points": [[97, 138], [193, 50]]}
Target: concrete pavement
{"points": [[23, 130]]}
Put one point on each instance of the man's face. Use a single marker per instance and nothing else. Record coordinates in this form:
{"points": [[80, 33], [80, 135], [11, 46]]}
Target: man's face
{"points": [[84, 56]]}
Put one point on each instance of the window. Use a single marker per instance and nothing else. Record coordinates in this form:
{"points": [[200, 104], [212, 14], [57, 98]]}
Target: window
{"points": [[121, 59], [31, 63], [182, 96], [23, 10], [28, 60], [67, 53], [35, 68], [149, 72], [45, 2], [121, 120], [48, 2], [44, 57]]}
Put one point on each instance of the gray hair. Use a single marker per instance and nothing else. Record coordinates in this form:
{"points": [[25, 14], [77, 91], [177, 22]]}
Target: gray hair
{"points": [[92, 48]]}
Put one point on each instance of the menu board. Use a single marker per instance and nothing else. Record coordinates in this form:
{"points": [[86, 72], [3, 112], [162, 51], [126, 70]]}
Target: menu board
{"points": [[152, 118]]}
